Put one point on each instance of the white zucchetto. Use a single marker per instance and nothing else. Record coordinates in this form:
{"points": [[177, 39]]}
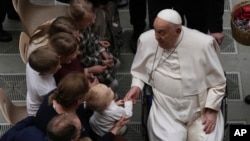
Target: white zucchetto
{"points": [[170, 15]]}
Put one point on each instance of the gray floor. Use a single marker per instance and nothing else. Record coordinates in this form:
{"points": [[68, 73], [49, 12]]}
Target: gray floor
{"points": [[235, 60]]}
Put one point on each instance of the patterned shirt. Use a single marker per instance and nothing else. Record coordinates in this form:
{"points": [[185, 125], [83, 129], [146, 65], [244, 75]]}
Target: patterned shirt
{"points": [[90, 54]]}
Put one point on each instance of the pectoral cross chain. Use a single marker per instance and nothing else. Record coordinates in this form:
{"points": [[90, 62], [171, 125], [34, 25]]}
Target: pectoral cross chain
{"points": [[150, 76]]}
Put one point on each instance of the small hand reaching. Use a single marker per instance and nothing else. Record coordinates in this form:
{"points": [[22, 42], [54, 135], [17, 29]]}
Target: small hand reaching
{"points": [[120, 102]]}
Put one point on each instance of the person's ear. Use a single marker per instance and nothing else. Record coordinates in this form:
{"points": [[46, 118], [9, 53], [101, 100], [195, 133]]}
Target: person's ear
{"points": [[178, 30], [107, 103]]}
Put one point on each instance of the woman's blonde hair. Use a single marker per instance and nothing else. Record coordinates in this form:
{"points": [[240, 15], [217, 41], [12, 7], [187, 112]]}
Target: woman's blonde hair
{"points": [[70, 89], [98, 97]]}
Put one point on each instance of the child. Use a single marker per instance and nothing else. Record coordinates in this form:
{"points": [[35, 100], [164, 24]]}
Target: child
{"points": [[41, 66], [62, 43], [93, 52], [107, 111], [67, 47], [43, 33]]}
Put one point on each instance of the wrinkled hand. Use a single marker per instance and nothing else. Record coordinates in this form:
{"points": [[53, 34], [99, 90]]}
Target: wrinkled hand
{"points": [[209, 121], [218, 37], [133, 94]]}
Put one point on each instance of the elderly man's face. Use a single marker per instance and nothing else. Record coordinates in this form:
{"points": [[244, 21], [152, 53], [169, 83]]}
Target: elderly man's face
{"points": [[165, 33]]}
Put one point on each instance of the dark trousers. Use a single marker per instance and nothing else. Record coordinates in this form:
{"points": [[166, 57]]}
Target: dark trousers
{"points": [[6, 7], [200, 17], [138, 11], [196, 16]]}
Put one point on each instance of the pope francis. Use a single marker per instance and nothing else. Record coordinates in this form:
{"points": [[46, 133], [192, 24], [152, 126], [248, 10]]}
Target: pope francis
{"points": [[183, 67]]}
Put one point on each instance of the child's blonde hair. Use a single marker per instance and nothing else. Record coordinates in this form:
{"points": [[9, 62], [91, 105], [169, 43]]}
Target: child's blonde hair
{"points": [[98, 97], [43, 59], [80, 10]]}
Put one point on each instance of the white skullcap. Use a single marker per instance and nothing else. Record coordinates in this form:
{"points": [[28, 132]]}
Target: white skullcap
{"points": [[170, 15]]}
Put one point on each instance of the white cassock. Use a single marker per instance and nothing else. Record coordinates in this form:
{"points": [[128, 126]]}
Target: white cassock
{"points": [[184, 83]]}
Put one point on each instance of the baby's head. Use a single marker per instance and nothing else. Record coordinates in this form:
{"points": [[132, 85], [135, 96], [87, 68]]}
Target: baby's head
{"points": [[44, 61], [99, 97]]}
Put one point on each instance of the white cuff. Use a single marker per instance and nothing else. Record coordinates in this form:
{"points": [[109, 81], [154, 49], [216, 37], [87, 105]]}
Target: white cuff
{"points": [[137, 82]]}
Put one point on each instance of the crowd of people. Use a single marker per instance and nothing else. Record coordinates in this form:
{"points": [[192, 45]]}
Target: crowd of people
{"points": [[72, 84], [65, 59]]}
